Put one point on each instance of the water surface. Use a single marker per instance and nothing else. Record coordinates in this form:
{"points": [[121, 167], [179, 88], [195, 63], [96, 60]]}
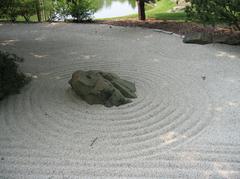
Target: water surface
{"points": [[114, 8]]}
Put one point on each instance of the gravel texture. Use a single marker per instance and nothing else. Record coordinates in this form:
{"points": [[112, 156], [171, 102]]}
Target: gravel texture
{"points": [[184, 123]]}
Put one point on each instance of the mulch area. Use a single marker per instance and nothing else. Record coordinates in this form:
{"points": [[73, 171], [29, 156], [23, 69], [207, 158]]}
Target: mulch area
{"points": [[180, 28]]}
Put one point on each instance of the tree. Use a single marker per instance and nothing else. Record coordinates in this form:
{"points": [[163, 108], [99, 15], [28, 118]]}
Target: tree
{"points": [[61, 9], [9, 9], [81, 9], [141, 9], [38, 10], [215, 11], [26, 9]]}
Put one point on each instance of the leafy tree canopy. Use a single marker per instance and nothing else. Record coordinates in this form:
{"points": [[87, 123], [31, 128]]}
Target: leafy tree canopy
{"points": [[215, 11]]}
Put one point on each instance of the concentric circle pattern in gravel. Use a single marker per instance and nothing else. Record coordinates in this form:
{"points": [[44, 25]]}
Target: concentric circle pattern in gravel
{"points": [[175, 128]]}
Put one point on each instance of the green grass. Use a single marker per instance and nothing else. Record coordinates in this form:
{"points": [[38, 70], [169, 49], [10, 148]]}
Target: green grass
{"points": [[32, 19], [21, 19], [179, 16], [161, 6], [160, 12]]}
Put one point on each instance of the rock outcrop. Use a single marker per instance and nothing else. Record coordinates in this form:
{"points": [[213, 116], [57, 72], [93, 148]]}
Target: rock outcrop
{"points": [[198, 38], [97, 87], [206, 38]]}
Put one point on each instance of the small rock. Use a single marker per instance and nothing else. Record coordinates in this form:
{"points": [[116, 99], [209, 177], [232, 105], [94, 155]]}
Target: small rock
{"points": [[204, 77], [28, 75], [2, 158]]}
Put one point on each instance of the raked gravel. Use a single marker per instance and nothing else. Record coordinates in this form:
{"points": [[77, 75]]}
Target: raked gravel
{"points": [[184, 123]]}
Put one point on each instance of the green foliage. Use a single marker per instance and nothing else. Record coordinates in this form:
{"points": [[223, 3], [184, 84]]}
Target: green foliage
{"points": [[11, 80], [61, 8], [9, 9], [81, 9], [215, 11], [26, 9]]}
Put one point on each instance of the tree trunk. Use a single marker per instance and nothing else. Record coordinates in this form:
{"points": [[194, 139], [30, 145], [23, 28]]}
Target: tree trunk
{"points": [[27, 18], [43, 10], [38, 9], [141, 10]]}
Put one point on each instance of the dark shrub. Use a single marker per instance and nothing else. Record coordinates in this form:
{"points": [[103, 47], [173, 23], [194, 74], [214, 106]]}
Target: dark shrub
{"points": [[27, 9], [81, 10], [215, 11], [11, 80], [9, 9], [60, 10]]}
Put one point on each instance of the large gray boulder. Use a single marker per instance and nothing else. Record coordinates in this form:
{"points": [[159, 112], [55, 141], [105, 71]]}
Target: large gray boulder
{"points": [[230, 39], [198, 38], [97, 87], [206, 38]]}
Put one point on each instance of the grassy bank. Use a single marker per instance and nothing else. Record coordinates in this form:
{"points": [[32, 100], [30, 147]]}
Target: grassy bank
{"points": [[161, 6], [159, 12], [179, 16]]}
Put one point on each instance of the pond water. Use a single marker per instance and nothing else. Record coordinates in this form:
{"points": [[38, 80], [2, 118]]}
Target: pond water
{"points": [[114, 8]]}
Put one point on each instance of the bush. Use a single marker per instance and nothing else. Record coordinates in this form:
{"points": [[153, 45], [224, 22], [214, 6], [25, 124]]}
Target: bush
{"points": [[11, 80], [26, 9], [9, 9], [81, 9], [215, 11], [60, 10]]}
